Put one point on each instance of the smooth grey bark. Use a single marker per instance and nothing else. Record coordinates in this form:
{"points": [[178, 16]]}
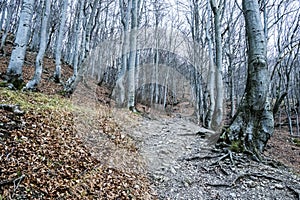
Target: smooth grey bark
{"points": [[37, 20], [119, 90], [58, 49], [218, 111], [14, 70], [78, 42], [6, 29], [211, 75], [91, 21], [132, 57], [2, 12], [43, 41], [253, 123], [198, 55]]}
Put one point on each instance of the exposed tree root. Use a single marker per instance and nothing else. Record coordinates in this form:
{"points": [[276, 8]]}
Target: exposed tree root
{"points": [[241, 176], [198, 157]]}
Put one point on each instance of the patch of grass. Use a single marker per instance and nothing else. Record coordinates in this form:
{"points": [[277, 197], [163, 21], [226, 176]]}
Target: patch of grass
{"points": [[296, 141], [34, 101], [3, 84]]}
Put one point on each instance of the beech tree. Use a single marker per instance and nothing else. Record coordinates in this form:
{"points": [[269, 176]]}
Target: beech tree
{"points": [[218, 111], [119, 91], [253, 123], [8, 11], [43, 41], [58, 49], [132, 56], [211, 74], [14, 70]]}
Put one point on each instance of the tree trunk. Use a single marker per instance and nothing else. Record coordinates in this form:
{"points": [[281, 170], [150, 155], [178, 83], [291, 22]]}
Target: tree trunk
{"points": [[58, 49], [211, 76], [77, 46], [119, 91], [91, 21], [253, 123], [6, 29], [218, 111], [43, 41], [132, 57], [14, 70]]}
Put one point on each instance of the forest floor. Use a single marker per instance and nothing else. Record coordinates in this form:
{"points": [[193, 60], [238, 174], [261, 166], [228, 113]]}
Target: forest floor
{"points": [[80, 147]]}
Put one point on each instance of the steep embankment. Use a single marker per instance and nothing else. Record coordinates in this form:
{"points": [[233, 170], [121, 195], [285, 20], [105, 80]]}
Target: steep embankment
{"points": [[43, 157]]}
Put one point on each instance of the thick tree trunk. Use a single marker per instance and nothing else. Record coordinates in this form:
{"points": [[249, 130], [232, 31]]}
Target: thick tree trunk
{"points": [[119, 90], [43, 41], [218, 111], [211, 76], [253, 124], [14, 70], [132, 57]]}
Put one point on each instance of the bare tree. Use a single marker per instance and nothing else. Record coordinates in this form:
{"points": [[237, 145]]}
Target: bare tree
{"points": [[58, 49], [119, 91], [14, 70], [211, 74], [253, 123], [43, 41], [8, 11], [132, 56], [218, 111]]}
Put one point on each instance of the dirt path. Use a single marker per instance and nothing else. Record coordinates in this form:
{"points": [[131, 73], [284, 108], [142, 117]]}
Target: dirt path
{"points": [[182, 166], [162, 143]]}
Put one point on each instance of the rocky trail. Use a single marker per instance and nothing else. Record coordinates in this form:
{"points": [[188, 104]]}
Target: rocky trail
{"points": [[162, 143], [182, 165]]}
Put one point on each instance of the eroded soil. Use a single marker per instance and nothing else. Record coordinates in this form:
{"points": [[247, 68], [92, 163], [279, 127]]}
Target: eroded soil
{"points": [[182, 165]]}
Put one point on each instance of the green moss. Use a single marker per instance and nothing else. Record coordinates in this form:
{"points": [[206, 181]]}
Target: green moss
{"points": [[3, 84], [18, 83], [34, 101], [296, 142], [236, 146]]}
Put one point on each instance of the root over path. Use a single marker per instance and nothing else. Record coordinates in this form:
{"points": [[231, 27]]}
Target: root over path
{"points": [[182, 165]]}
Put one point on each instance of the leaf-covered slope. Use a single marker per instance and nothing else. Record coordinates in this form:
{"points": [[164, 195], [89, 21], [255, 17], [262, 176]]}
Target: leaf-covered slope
{"points": [[41, 157]]}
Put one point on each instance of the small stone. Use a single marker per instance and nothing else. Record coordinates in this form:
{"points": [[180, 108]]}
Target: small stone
{"points": [[137, 187], [173, 170], [233, 195], [186, 184], [251, 184], [279, 186]]}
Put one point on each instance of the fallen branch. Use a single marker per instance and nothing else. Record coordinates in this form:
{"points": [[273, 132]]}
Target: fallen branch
{"points": [[12, 108], [18, 181], [15, 181]]}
